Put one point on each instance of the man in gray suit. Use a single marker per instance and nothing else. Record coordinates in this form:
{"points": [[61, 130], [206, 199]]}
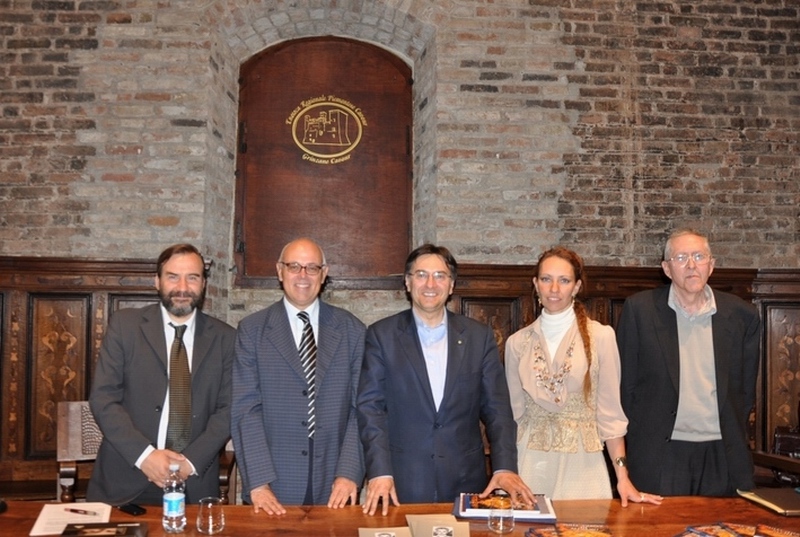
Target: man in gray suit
{"points": [[130, 392], [287, 455]]}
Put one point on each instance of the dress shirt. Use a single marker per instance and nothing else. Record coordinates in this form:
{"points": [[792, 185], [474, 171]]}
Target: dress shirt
{"points": [[188, 342], [433, 341], [297, 323]]}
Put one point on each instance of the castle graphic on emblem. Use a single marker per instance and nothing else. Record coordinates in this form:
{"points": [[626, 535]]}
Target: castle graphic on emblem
{"points": [[330, 127], [327, 129]]}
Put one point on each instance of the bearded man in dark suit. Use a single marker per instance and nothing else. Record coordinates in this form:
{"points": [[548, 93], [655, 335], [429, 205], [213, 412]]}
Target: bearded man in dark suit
{"points": [[130, 391]]}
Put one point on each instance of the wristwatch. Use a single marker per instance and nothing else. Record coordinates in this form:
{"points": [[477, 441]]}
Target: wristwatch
{"points": [[621, 462]]}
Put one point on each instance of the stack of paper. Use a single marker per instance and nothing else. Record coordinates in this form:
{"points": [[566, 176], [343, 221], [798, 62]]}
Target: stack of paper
{"points": [[54, 517]]}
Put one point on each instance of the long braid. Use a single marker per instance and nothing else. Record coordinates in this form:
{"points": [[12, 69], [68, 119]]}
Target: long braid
{"points": [[583, 327]]}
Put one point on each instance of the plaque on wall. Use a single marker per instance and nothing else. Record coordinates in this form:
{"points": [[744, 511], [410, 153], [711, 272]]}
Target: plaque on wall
{"points": [[324, 151]]}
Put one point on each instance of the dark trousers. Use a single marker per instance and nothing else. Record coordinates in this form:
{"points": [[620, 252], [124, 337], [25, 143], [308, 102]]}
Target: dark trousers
{"points": [[152, 495], [695, 469]]}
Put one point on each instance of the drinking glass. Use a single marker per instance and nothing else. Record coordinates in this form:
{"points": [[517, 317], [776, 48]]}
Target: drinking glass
{"points": [[210, 517], [501, 515]]}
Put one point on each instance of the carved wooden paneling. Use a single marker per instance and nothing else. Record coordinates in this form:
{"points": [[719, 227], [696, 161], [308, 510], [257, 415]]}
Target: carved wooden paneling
{"points": [[777, 293], [13, 376], [59, 368], [119, 302], [503, 315], [782, 367], [54, 312]]}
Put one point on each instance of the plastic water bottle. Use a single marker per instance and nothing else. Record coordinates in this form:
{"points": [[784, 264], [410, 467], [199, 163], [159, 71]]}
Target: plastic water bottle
{"points": [[174, 519]]}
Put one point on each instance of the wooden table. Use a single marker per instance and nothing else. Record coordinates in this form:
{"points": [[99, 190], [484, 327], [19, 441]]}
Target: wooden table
{"points": [[666, 520]]}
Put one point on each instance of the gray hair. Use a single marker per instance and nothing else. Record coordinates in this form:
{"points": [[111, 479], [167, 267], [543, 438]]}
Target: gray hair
{"points": [[680, 233]]}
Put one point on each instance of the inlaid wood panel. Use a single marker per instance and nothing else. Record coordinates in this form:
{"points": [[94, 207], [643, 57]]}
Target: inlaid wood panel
{"points": [[782, 367], [54, 313], [504, 316], [59, 366]]}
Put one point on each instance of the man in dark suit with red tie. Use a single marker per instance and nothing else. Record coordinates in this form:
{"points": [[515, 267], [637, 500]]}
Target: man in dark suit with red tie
{"points": [[429, 378]]}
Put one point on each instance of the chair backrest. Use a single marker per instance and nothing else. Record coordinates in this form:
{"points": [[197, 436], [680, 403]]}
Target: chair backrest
{"points": [[78, 436]]}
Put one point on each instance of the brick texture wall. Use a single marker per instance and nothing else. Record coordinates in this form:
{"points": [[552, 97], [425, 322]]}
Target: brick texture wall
{"points": [[598, 124]]}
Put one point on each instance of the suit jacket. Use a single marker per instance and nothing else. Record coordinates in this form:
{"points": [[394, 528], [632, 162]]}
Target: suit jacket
{"points": [[270, 404], [434, 455], [647, 336], [129, 387]]}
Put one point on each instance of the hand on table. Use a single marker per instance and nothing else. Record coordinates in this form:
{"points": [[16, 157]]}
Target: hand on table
{"points": [[264, 499], [514, 485], [380, 489], [342, 491]]}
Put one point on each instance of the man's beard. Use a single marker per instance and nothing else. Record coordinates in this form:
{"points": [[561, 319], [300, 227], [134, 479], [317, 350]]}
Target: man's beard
{"points": [[181, 311]]}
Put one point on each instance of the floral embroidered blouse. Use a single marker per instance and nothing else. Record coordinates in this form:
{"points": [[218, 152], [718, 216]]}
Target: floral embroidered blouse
{"points": [[547, 393]]}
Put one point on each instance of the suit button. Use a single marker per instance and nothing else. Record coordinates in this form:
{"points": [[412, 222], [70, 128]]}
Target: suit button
{"points": [[304, 423], [305, 393], [158, 408], [304, 453]]}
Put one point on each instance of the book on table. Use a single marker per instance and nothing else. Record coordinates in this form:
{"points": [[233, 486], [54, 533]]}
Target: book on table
{"points": [[784, 500], [131, 529], [470, 505]]}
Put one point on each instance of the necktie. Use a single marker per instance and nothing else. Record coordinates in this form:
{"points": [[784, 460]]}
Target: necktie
{"points": [[308, 359], [180, 394]]}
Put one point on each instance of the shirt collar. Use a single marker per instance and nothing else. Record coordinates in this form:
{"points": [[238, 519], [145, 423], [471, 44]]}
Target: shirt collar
{"points": [[430, 334], [167, 320], [312, 310], [709, 308]]}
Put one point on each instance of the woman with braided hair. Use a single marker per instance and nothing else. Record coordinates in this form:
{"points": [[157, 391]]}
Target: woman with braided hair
{"points": [[563, 375]]}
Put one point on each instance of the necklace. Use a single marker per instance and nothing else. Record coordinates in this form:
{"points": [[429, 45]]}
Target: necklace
{"points": [[553, 383]]}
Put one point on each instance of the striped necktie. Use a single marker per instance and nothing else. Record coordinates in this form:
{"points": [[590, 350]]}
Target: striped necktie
{"points": [[308, 360], [179, 426]]}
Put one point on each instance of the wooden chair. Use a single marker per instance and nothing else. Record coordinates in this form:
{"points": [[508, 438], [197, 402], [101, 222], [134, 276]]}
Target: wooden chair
{"points": [[78, 439]]}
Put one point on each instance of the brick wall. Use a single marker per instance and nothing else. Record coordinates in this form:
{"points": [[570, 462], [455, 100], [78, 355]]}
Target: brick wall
{"points": [[599, 124]]}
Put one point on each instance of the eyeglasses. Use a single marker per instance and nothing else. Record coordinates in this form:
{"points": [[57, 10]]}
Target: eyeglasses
{"points": [[423, 275], [295, 268], [699, 258]]}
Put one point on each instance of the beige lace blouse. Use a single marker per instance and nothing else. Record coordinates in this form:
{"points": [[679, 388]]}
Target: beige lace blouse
{"points": [[547, 394]]}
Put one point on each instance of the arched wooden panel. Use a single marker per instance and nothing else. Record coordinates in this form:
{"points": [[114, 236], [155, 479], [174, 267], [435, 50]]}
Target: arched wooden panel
{"points": [[324, 152]]}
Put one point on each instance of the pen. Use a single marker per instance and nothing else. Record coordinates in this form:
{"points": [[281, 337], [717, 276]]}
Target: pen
{"points": [[80, 511]]}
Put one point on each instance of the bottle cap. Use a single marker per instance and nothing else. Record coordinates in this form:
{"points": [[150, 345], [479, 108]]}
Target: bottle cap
{"points": [[174, 467]]}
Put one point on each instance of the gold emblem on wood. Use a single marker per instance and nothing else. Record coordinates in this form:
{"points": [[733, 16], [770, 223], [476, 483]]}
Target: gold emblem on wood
{"points": [[327, 129]]}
